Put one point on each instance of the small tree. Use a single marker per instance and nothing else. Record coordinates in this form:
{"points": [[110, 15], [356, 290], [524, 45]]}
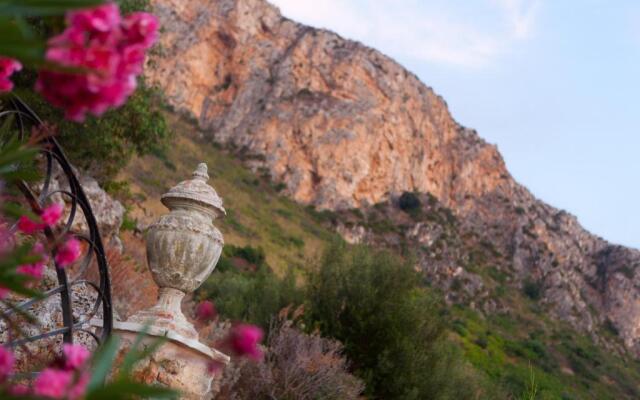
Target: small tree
{"points": [[390, 326], [409, 202]]}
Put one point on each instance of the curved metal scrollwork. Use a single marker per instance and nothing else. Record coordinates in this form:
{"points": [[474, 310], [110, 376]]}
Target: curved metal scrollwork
{"points": [[55, 161]]}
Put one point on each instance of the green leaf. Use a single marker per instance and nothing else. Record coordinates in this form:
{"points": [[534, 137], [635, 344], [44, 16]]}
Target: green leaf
{"points": [[15, 42], [16, 211], [23, 313], [128, 389], [10, 278], [42, 8], [14, 160], [6, 127], [135, 354], [103, 362]]}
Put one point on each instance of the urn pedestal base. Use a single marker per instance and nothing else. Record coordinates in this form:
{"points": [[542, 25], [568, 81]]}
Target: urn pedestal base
{"points": [[180, 363], [167, 314]]}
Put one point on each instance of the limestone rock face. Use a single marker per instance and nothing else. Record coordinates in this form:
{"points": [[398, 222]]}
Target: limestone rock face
{"points": [[339, 123], [342, 126]]}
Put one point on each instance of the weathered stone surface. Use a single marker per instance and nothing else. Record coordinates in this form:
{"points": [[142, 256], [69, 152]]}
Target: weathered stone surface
{"points": [[173, 365], [108, 212], [47, 314], [342, 125], [183, 248]]}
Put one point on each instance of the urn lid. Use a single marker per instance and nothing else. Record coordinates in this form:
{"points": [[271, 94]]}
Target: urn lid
{"points": [[196, 190]]}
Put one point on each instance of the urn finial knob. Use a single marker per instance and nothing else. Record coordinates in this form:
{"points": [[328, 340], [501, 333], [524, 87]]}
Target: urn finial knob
{"points": [[195, 193], [201, 172]]}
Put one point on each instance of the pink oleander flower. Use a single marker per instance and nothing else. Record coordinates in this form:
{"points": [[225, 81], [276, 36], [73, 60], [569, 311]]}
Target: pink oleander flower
{"points": [[51, 214], [110, 49], [79, 388], [75, 355], [141, 29], [7, 67], [7, 359], [28, 226], [206, 311], [19, 390], [4, 292], [98, 19], [244, 340], [53, 383], [34, 271], [68, 253]]}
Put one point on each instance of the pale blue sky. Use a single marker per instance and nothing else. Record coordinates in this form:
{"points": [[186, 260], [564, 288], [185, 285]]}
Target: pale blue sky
{"points": [[554, 83]]}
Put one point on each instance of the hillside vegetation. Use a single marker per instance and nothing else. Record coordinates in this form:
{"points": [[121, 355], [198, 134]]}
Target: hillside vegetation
{"points": [[275, 246]]}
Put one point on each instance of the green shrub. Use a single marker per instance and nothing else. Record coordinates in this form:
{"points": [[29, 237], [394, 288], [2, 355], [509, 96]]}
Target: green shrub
{"points": [[532, 289], [103, 146], [251, 296], [128, 6], [128, 223], [408, 202], [253, 255], [391, 327]]}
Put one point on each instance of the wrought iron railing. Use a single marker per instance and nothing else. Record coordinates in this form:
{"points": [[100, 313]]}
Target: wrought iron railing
{"points": [[37, 197]]}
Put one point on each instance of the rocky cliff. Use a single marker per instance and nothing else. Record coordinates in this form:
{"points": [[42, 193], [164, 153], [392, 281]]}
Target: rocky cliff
{"points": [[342, 126]]}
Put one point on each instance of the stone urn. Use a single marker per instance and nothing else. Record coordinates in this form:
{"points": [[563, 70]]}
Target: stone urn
{"points": [[183, 248]]}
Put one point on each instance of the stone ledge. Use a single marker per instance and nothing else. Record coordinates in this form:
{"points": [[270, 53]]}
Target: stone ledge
{"points": [[151, 330]]}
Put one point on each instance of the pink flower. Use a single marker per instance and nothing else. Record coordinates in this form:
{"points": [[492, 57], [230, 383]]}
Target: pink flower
{"points": [[244, 340], [4, 292], [99, 19], [7, 359], [19, 390], [79, 388], [68, 253], [7, 67], [75, 355], [206, 311], [53, 383], [34, 271], [51, 214], [28, 226], [112, 51], [141, 28]]}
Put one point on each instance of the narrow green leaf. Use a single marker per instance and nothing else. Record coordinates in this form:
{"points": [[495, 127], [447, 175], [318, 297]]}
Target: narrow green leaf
{"points": [[135, 354], [128, 389], [16, 44], [23, 313], [103, 362], [42, 8], [5, 128], [16, 211], [131, 357]]}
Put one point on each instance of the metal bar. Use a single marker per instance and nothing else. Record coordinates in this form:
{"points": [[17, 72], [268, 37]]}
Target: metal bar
{"points": [[52, 151], [19, 342]]}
